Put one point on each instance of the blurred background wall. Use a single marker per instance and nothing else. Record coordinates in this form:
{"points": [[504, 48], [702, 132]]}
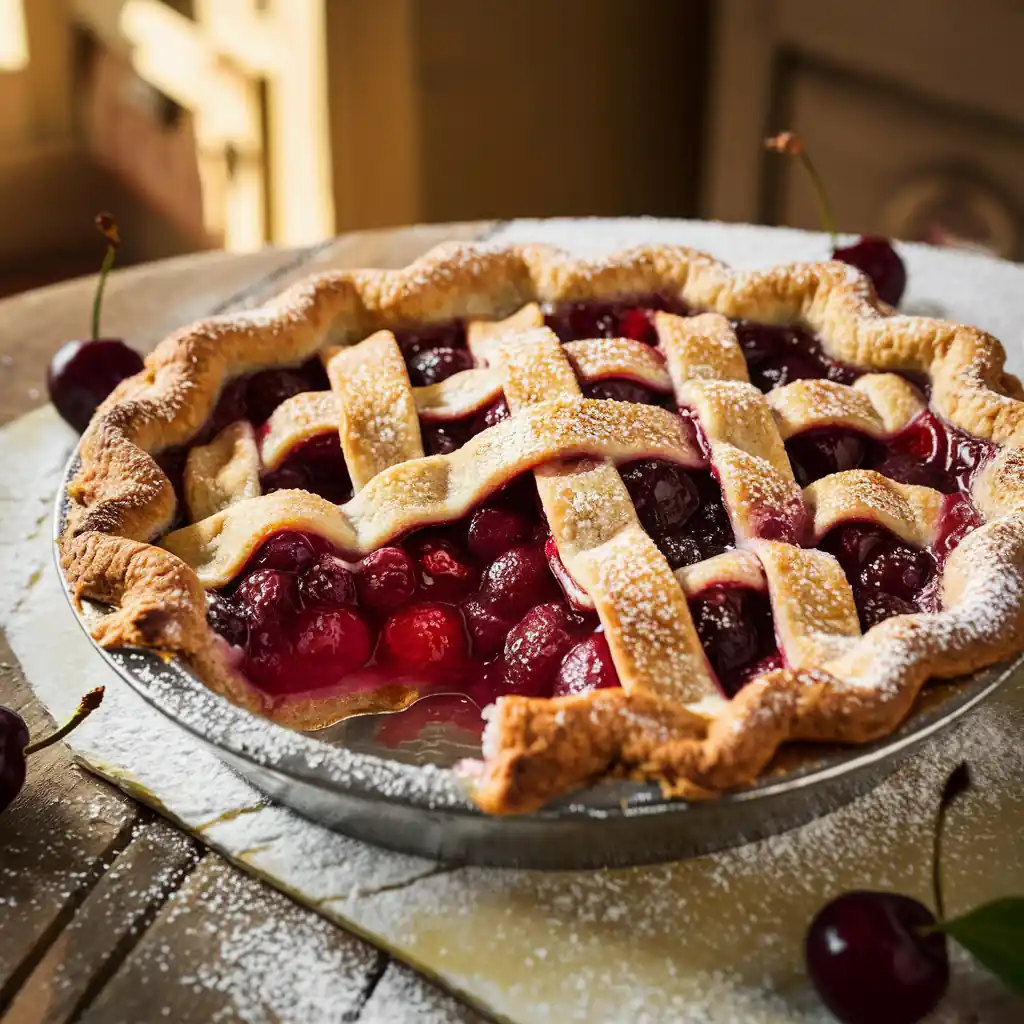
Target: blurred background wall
{"points": [[237, 123]]}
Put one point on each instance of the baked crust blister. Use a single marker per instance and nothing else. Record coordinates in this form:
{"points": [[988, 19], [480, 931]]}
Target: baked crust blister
{"points": [[667, 723]]}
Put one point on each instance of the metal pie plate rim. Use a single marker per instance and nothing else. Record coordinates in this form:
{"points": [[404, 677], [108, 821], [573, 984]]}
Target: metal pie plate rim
{"points": [[259, 748]]}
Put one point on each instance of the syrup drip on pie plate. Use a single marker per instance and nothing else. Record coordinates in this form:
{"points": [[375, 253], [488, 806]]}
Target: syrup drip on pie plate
{"points": [[655, 517]]}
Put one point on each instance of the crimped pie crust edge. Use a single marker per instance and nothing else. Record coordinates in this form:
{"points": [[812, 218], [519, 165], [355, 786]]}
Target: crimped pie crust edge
{"points": [[120, 501]]}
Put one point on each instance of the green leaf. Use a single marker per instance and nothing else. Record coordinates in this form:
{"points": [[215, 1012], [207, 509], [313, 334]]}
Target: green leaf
{"points": [[994, 934]]}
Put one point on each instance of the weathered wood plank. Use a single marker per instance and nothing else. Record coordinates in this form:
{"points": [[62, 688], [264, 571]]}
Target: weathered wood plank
{"points": [[402, 996], [226, 947], [105, 927], [56, 840]]}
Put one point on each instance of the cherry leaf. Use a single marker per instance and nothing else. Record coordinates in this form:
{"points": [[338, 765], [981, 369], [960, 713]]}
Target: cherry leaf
{"points": [[994, 934]]}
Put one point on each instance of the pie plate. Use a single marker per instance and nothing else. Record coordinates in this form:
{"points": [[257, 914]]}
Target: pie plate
{"points": [[406, 796]]}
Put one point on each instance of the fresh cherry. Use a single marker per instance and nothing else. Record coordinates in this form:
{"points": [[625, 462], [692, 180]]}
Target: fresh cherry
{"points": [[433, 365], [870, 961], [872, 255], [426, 635], [82, 374], [386, 578], [880, 957], [588, 666], [15, 746], [13, 741], [879, 260]]}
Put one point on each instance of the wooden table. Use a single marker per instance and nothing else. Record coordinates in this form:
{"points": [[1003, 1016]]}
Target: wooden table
{"points": [[108, 912]]}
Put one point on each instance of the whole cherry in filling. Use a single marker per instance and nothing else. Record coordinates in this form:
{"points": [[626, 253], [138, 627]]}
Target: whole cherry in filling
{"points": [[735, 628], [888, 577]]}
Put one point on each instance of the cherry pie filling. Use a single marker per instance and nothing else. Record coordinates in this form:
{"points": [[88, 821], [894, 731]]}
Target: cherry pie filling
{"points": [[483, 606]]}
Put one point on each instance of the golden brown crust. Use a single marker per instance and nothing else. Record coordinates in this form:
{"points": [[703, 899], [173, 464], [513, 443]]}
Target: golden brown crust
{"points": [[121, 501]]}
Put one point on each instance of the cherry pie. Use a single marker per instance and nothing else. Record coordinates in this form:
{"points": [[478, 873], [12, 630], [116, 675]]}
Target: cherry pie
{"points": [[656, 516]]}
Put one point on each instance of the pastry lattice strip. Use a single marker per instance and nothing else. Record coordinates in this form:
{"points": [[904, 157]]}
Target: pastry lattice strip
{"points": [[120, 500]]}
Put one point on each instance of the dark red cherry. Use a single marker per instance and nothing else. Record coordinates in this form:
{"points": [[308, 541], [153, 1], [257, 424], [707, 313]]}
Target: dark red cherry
{"points": [[426, 635], [709, 526], [959, 518], [227, 618], [517, 580], [877, 258], [680, 550], [871, 960], [433, 365], [732, 627], [13, 741], [906, 468], [445, 438], [327, 645], [15, 746], [267, 389], [663, 495], [323, 464], [490, 417], [897, 569], [328, 584], [572, 321], [428, 337], [874, 607], [266, 595], [287, 551], [492, 531], [486, 629], [588, 666], [287, 477], [819, 453], [82, 373], [853, 544], [534, 649], [620, 391], [445, 572], [386, 578], [638, 324]]}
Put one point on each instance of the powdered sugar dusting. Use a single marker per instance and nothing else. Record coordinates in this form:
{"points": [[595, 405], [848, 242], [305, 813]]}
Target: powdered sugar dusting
{"points": [[713, 939]]}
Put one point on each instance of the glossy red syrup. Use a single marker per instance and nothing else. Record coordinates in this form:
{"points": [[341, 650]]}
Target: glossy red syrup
{"points": [[482, 607], [473, 606]]}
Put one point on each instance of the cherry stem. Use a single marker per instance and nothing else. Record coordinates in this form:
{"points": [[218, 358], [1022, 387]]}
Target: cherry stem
{"points": [[89, 703], [790, 144], [107, 227], [958, 782]]}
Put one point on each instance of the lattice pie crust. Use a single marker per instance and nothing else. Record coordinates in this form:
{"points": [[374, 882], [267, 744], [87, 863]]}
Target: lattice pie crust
{"points": [[668, 721]]}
